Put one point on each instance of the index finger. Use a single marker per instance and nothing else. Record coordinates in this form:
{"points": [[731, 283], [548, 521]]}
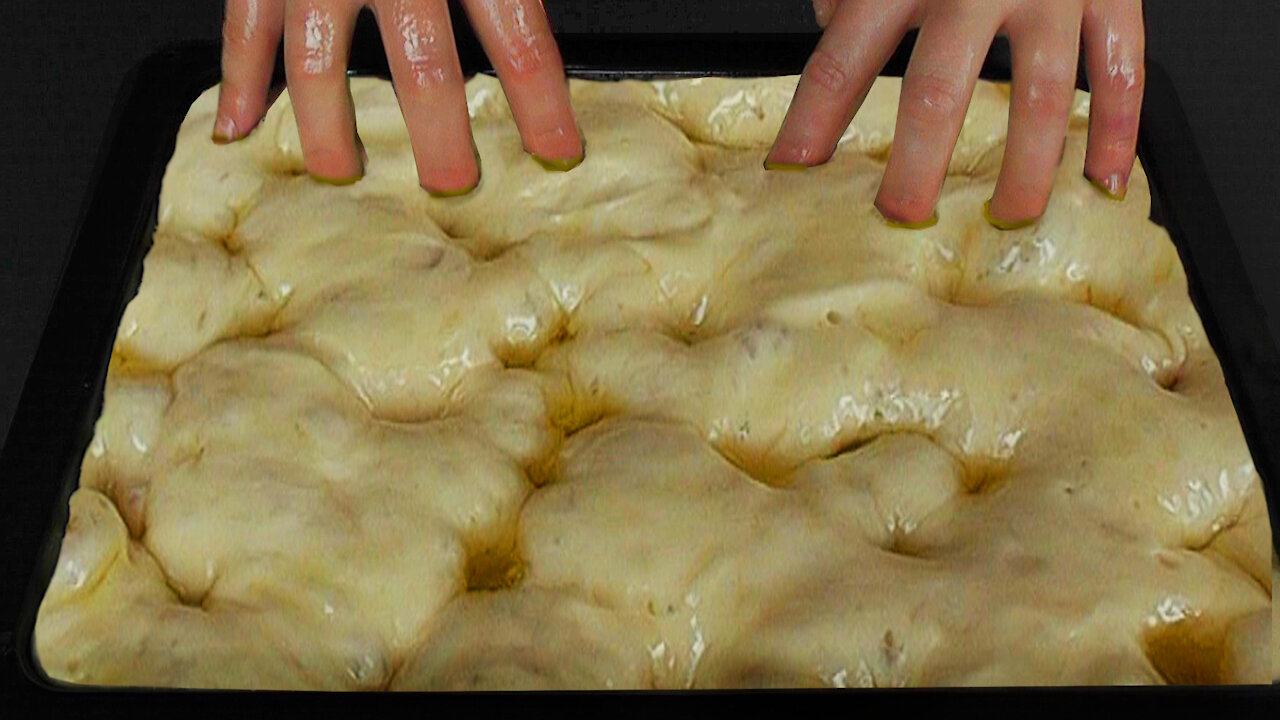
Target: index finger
{"points": [[857, 43], [517, 37]]}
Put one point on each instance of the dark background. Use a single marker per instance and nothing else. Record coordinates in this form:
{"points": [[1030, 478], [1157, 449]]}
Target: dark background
{"points": [[65, 59]]}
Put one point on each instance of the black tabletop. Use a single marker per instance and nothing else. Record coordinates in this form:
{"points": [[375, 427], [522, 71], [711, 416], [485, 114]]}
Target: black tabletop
{"points": [[66, 59]]}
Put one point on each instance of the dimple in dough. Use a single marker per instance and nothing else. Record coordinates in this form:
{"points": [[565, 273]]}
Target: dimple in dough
{"points": [[667, 420]]}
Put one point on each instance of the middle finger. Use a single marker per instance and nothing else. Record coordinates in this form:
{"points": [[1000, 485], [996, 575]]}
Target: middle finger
{"points": [[517, 38], [429, 87], [936, 91], [1045, 51]]}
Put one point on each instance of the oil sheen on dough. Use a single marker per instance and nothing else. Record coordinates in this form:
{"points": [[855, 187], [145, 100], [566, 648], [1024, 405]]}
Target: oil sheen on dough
{"points": [[664, 421]]}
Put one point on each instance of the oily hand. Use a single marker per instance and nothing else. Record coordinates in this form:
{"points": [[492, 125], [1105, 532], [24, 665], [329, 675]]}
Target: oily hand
{"points": [[426, 72], [1045, 38]]}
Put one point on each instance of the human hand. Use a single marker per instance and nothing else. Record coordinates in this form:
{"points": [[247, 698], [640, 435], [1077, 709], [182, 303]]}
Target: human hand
{"points": [[1045, 38], [425, 71]]}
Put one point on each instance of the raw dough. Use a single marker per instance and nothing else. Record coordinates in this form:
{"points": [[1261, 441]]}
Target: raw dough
{"points": [[667, 420]]}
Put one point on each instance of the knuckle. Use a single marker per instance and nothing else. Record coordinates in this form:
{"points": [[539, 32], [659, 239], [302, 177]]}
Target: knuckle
{"points": [[426, 76], [1117, 128], [900, 207], [936, 96], [829, 71], [233, 39], [1048, 95], [528, 58], [1124, 78], [427, 70]]}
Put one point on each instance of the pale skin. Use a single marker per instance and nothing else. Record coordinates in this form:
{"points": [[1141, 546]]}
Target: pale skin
{"points": [[424, 68], [1046, 37]]}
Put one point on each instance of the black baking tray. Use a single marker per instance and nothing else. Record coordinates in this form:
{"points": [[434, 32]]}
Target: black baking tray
{"points": [[62, 397]]}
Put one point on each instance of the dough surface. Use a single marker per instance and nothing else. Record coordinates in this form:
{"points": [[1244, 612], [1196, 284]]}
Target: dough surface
{"points": [[667, 420]]}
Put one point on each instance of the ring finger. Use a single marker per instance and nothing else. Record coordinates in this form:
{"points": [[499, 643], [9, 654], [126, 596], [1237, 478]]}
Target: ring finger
{"points": [[429, 87], [517, 38]]}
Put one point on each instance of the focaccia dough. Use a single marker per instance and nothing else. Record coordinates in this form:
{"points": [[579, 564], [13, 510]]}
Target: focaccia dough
{"points": [[667, 420]]}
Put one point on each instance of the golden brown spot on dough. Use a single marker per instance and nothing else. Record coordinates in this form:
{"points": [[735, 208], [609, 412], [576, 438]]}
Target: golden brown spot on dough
{"points": [[130, 504], [231, 241], [494, 569], [481, 249], [184, 596], [903, 544], [287, 165], [546, 469], [1191, 651], [891, 649], [760, 465], [856, 443], [981, 477], [1171, 381], [759, 674], [880, 154]]}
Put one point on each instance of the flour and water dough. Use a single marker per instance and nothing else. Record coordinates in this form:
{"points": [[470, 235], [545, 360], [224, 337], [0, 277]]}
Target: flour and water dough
{"points": [[667, 420]]}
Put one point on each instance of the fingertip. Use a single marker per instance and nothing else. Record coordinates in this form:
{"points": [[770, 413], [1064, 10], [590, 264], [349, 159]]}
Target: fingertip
{"points": [[455, 179], [225, 130], [446, 194], [557, 165], [904, 209], [337, 181], [1000, 224], [905, 212], [788, 154], [781, 166], [449, 183], [336, 165], [1114, 186], [922, 225], [559, 148]]}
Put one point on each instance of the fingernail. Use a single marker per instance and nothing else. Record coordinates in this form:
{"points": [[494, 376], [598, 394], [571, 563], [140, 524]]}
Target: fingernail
{"points": [[224, 130], [1005, 225], [901, 225], [465, 190], [337, 181], [1114, 187], [558, 164]]}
